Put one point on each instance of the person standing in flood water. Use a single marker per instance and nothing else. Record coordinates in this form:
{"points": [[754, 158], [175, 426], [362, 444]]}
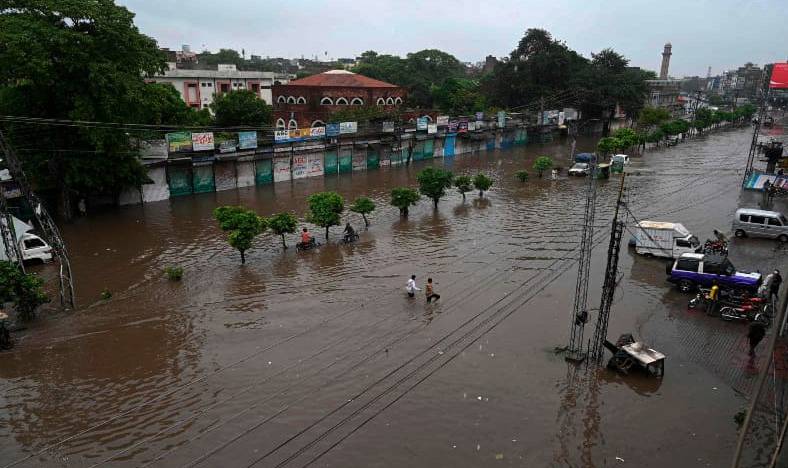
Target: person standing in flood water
{"points": [[755, 333], [430, 292], [411, 287]]}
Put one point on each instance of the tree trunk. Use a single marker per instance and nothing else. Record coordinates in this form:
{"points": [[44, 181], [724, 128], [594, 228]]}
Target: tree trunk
{"points": [[481, 193], [435, 201], [403, 212], [284, 244], [243, 257], [66, 209], [327, 233], [463, 196], [366, 223]]}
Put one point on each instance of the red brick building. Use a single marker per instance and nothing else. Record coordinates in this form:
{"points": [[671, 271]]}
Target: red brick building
{"points": [[310, 101]]}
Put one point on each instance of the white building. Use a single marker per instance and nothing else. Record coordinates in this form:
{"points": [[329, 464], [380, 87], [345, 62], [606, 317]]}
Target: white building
{"points": [[198, 87]]}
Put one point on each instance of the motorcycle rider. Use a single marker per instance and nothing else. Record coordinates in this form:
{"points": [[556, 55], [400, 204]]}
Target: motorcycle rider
{"points": [[306, 238], [350, 233]]}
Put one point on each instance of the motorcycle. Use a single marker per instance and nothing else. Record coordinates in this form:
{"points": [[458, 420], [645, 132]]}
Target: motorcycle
{"points": [[717, 247], [350, 238], [753, 308], [301, 246]]}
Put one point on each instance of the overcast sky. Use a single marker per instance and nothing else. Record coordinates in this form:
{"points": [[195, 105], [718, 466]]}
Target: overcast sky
{"points": [[722, 34]]}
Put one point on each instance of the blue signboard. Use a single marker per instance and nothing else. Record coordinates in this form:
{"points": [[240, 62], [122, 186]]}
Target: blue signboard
{"points": [[247, 140], [421, 123], [332, 129]]}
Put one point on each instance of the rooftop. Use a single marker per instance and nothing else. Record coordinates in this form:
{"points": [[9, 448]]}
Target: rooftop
{"points": [[341, 78]]}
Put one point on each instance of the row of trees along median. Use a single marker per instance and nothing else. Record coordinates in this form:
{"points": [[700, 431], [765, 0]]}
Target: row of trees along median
{"points": [[243, 225]]}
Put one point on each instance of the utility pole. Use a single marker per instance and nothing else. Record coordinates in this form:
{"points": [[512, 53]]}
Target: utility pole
{"points": [[609, 286]]}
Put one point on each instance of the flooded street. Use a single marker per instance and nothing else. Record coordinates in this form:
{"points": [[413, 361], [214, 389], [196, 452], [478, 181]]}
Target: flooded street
{"points": [[319, 357]]}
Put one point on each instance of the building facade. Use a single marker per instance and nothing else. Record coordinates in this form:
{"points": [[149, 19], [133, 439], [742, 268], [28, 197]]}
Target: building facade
{"points": [[665, 94], [309, 102], [199, 87]]}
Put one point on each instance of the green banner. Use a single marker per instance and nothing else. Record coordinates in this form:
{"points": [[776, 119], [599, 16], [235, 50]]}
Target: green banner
{"points": [[373, 158], [418, 151], [330, 162], [263, 172], [179, 142], [345, 160], [203, 179], [429, 150], [179, 180]]}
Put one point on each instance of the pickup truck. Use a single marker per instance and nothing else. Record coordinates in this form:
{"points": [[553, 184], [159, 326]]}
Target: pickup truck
{"points": [[691, 270]]}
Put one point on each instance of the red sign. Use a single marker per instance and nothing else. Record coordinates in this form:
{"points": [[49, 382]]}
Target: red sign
{"points": [[779, 78]]}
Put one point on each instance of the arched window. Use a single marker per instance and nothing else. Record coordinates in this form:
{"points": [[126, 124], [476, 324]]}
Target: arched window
{"points": [[280, 124], [326, 101], [292, 125], [291, 100], [381, 101], [301, 100], [429, 119], [398, 101], [356, 102], [281, 100], [318, 123], [389, 102], [341, 101]]}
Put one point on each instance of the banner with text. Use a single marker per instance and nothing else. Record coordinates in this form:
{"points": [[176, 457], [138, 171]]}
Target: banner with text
{"points": [[421, 123], [348, 127], [202, 141], [179, 142], [442, 120], [247, 140]]}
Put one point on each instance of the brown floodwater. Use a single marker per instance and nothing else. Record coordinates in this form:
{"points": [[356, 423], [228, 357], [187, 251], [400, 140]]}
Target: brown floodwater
{"points": [[319, 358]]}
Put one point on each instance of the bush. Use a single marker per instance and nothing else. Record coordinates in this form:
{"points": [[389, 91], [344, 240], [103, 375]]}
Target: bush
{"points": [[25, 290], [522, 176], [363, 206], [174, 273], [281, 224], [242, 224], [106, 294], [403, 198], [463, 184], [482, 183], [542, 163], [433, 183], [325, 209]]}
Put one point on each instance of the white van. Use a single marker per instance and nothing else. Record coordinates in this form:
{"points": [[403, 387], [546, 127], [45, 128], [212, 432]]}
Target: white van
{"points": [[30, 245], [760, 223], [619, 158], [662, 239]]}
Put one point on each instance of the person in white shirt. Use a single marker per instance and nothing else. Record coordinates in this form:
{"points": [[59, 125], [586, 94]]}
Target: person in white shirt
{"points": [[411, 287]]}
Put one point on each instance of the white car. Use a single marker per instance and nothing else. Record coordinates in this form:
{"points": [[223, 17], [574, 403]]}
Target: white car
{"points": [[619, 158], [579, 169]]}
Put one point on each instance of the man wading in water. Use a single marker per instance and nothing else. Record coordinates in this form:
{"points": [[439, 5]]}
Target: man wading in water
{"points": [[411, 287]]}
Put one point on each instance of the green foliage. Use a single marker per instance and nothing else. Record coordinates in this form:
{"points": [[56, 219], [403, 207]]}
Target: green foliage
{"points": [[626, 137], [403, 198], [241, 108], [522, 176], [106, 294], [482, 183], [458, 96], [418, 72], [281, 224], [463, 184], [363, 206], [650, 116], [656, 136], [364, 114], [224, 56], [607, 145], [242, 224], [25, 291], [174, 273], [542, 163], [325, 209], [433, 183], [79, 60]]}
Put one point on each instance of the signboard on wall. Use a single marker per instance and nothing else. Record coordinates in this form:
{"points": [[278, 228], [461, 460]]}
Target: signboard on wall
{"points": [[471, 126], [299, 134], [421, 123], [501, 119], [348, 127], [179, 142], [247, 140], [779, 78], [332, 129], [299, 166], [227, 146], [388, 127], [463, 126], [453, 125], [202, 141], [432, 128], [480, 116], [442, 120]]}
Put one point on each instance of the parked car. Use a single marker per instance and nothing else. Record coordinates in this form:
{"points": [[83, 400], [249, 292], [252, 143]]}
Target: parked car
{"points": [[580, 169], [693, 269], [760, 223]]}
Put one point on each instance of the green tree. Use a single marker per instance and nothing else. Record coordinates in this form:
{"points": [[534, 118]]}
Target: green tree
{"points": [[627, 137], [433, 183], [224, 56], [363, 206], [241, 108], [325, 209], [650, 116], [607, 145], [281, 224], [403, 198], [242, 224], [482, 183], [458, 96], [76, 60], [522, 176], [542, 163], [463, 184], [25, 291]]}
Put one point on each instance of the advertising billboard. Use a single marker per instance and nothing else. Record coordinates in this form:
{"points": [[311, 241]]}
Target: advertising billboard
{"points": [[202, 141], [179, 142]]}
